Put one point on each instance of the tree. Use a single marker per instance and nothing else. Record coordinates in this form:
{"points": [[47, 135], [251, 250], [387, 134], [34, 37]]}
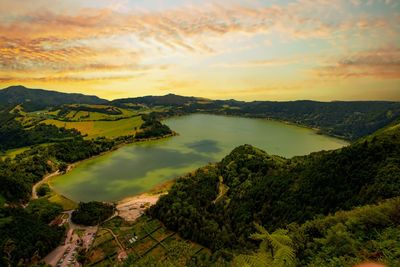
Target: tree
{"points": [[275, 250], [92, 213], [63, 167], [8, 248], [43, 190]]}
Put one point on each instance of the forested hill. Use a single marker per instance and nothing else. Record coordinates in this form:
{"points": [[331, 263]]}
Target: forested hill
{"points": [[348, 119], [35, 99], [166, 100], [217, 205]]}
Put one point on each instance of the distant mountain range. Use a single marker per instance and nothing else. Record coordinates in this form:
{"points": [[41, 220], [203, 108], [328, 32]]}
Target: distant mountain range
{"points": [[35, 99], [348, 119], [166, 100]]}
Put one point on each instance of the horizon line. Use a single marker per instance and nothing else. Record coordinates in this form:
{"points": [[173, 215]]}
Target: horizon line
{"points": [[198, 97]]}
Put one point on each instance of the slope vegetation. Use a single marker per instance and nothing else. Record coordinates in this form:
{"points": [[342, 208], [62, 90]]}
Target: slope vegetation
{"points": [[36, 99], [275, 191]]}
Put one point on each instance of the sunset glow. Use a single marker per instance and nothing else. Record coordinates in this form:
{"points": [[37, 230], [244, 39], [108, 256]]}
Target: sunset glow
{"points": [[249, 50]]}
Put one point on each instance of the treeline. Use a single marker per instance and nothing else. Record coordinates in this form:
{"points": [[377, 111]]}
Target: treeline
{"points": [[25, 234], [217, 205], [152, 127], [351, 120], [92, 213], [18, 175], [153, 101], [14, 135], [348, 119], [109, 110]]}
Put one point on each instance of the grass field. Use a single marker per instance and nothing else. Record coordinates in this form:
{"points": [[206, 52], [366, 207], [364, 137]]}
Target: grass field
{"points": [[153, 240], [94, 116], [75, 115], [101, 128], [13, 152], [66, 203]]}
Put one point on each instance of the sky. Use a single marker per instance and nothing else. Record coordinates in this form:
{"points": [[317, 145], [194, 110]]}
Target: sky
{"points": [[247, 50]]}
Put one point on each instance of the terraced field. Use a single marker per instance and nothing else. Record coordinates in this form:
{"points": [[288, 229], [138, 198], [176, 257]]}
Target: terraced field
{"points": [[145, 237]]}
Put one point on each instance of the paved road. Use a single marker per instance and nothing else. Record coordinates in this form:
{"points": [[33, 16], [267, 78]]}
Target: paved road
{"points": [[65, 254]]}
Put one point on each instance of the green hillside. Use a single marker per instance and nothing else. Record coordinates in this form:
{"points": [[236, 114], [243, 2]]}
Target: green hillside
{"points": [[275, 192], [368, 233], [36, 99], [347, 119], [329, 208]]}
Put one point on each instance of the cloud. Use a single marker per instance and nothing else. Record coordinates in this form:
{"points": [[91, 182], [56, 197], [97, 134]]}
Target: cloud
{"points": [[381, 63], [42, 53], [187, 28], [176, 85], [260, 63], [77, 78], [117, 39]]}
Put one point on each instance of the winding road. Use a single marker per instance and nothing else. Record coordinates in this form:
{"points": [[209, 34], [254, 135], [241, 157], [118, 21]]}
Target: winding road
{"points": [[45, 179]]}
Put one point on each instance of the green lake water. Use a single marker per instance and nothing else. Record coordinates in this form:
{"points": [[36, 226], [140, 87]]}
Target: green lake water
{"points": [[136, 168]]}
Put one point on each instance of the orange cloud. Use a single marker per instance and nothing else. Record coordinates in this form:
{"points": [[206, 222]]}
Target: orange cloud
{"points": [[261, 63], [68, 79], [94, 44], [177, 85], [188, 27], [380, 63]]}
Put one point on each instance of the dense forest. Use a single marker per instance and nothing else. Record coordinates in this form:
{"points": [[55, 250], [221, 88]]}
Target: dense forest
{"points": [[53, 148], [346, 238], [217, 205], [92, 213], [18, 175], [350, 120], [25, 233], [153, 101], [13, 134], [152, 127], [65, 109]]}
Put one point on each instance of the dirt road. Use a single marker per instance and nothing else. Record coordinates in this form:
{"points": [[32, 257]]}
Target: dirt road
{"points": [[133, 207], [44, 180]]}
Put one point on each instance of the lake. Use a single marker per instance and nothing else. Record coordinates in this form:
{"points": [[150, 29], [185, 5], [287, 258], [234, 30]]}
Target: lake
{"points": [[136, 168]]}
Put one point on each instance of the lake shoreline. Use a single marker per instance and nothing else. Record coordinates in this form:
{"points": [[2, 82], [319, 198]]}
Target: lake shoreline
{"points": [[50, 176], [131, 208], [317, 130], [124, 144]]}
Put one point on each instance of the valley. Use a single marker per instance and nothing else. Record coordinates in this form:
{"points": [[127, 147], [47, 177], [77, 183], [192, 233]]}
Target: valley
{"points": [[192, 180], [201, 139], [216, 133]]}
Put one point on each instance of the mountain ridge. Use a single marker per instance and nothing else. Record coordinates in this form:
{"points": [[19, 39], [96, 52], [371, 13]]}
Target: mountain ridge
{"points": [[33, 99], [169, 95], [345, 119]]}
